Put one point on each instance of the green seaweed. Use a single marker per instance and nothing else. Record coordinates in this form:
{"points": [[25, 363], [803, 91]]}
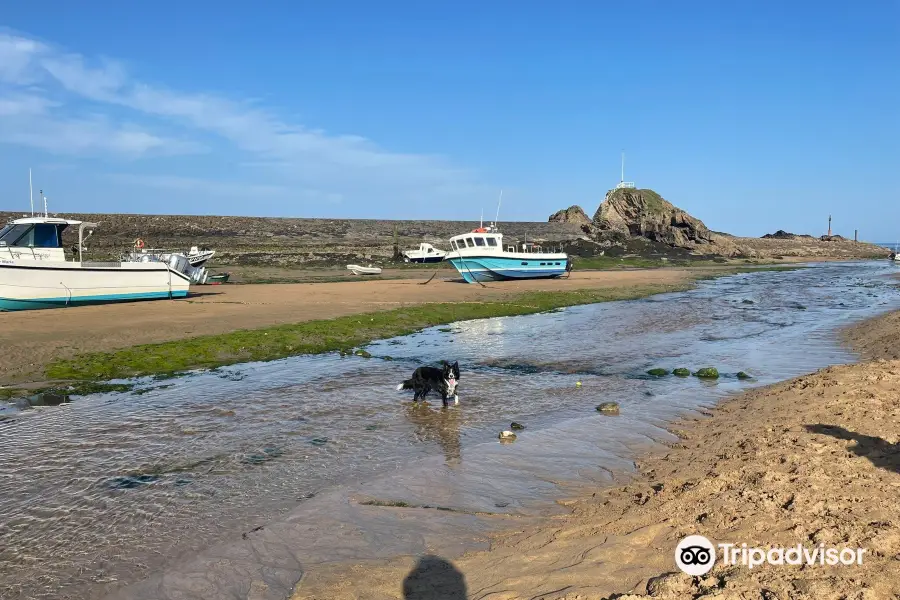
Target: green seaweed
{"points": [[657, 372], [707, 373], [317, 337], [681, 372]]}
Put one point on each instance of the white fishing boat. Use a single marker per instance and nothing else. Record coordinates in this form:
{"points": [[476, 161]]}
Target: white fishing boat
{"points": [[34, 271], [480, 256], [358, 270], [425, 253], [197, 257]]}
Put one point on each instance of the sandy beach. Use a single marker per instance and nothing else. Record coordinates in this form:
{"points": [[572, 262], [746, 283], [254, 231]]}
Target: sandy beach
{"points": [[37, 337], [814, 460]]}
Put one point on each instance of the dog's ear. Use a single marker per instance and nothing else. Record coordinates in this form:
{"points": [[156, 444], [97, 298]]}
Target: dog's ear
{"points": [[456, 369]]}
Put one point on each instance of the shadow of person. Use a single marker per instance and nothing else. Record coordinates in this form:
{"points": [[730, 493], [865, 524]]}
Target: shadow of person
{"points": [[441, 426], [434, 578], [880, 452]]}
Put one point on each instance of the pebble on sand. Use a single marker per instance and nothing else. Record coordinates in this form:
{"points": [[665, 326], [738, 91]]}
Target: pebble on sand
{"points": [[608, 408]]}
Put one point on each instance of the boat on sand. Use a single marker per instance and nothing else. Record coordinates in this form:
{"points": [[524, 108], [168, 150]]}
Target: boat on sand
{"points": [[425, 253], [34, 271], [480, 256], [359, 270]]}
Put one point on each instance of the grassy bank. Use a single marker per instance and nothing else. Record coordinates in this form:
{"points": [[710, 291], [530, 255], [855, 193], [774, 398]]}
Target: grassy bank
{"points": [[316, 337]]}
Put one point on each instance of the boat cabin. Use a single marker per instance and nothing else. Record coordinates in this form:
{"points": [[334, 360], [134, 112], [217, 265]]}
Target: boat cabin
{"points": [[39, 238], [491, 242], [484, 242]]}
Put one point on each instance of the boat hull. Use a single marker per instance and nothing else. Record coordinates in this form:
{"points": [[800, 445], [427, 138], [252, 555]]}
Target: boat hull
{"points": [[30, 286], [497, 268], [427, 259]]}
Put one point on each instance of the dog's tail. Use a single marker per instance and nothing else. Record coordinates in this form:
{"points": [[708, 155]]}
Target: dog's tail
{"points": [[406, 385]]}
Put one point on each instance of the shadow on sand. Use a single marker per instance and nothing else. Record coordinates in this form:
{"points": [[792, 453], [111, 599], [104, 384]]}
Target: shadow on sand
{"points": [[434, 578], [880, 452]]}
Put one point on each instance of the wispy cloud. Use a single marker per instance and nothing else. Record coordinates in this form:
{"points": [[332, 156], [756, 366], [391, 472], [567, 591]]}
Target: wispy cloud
{"points": [[335, 165]]}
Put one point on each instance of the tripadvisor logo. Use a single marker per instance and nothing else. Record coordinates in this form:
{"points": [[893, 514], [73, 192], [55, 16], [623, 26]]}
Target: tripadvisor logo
{"points": [[696, 555]]}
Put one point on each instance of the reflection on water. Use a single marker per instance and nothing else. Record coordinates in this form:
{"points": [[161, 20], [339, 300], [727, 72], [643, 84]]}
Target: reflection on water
{"points": [[239, 473]]}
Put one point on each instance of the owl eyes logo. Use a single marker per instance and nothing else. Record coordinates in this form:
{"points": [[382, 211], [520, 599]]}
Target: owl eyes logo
{"points": [[695, 555]]}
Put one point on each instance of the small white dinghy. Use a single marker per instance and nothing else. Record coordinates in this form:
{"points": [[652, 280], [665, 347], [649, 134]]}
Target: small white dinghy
{"points": [[358, 270]]}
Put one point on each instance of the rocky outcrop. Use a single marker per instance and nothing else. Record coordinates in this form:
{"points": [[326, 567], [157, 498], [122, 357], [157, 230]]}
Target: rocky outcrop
{"points": [[781, 234], [573, 214], [644, 213], [640, 222]]}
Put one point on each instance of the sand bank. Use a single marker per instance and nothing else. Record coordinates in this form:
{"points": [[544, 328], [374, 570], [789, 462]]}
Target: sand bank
{"points": [[811, 461], [35, 338]]}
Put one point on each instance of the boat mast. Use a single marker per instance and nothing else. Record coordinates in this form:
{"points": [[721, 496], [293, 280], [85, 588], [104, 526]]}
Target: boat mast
{"points": [[497, 219], [30, 192]]}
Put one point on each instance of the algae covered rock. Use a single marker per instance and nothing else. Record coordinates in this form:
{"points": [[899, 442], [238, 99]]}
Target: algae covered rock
{"points": [[707, 373], [657, 372], [608, 408], [573, 214], [516, 426], [681, 372], [743, 375]]}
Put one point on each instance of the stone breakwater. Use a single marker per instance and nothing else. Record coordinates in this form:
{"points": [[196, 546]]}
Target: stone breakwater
{"points": [[287, 242]]}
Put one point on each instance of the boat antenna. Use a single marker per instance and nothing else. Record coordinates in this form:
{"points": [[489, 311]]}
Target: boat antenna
{"points": [[45, 203], [497, 220], [30, 192], [481, 224], [623, 167]]}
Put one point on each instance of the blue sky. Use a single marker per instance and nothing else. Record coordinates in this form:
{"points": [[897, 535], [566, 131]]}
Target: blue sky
{"points": [[752, 116]]}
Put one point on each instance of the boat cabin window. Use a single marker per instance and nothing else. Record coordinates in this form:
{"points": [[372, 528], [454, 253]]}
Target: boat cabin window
{"points": [[40, 235], [470, 242], [431, 250], [492, 242], [479, 241]]}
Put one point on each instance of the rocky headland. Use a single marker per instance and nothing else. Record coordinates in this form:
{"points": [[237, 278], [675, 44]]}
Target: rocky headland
{"points": [[640, 221]]}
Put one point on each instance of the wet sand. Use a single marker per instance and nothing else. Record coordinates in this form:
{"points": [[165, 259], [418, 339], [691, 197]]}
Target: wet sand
{"points": [[34, 338], [814, 460]]}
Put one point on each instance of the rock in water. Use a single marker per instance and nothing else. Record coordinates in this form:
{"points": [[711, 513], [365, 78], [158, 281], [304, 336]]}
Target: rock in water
{"points": [[658, 372], [507, 436], [573, 214], [707, 373], [516, 426], [742, 375], [608, 408], [681, 372]]}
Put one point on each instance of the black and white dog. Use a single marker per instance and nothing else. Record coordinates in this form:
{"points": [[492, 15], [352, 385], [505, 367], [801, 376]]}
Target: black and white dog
{"points": [[428, 379]]}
